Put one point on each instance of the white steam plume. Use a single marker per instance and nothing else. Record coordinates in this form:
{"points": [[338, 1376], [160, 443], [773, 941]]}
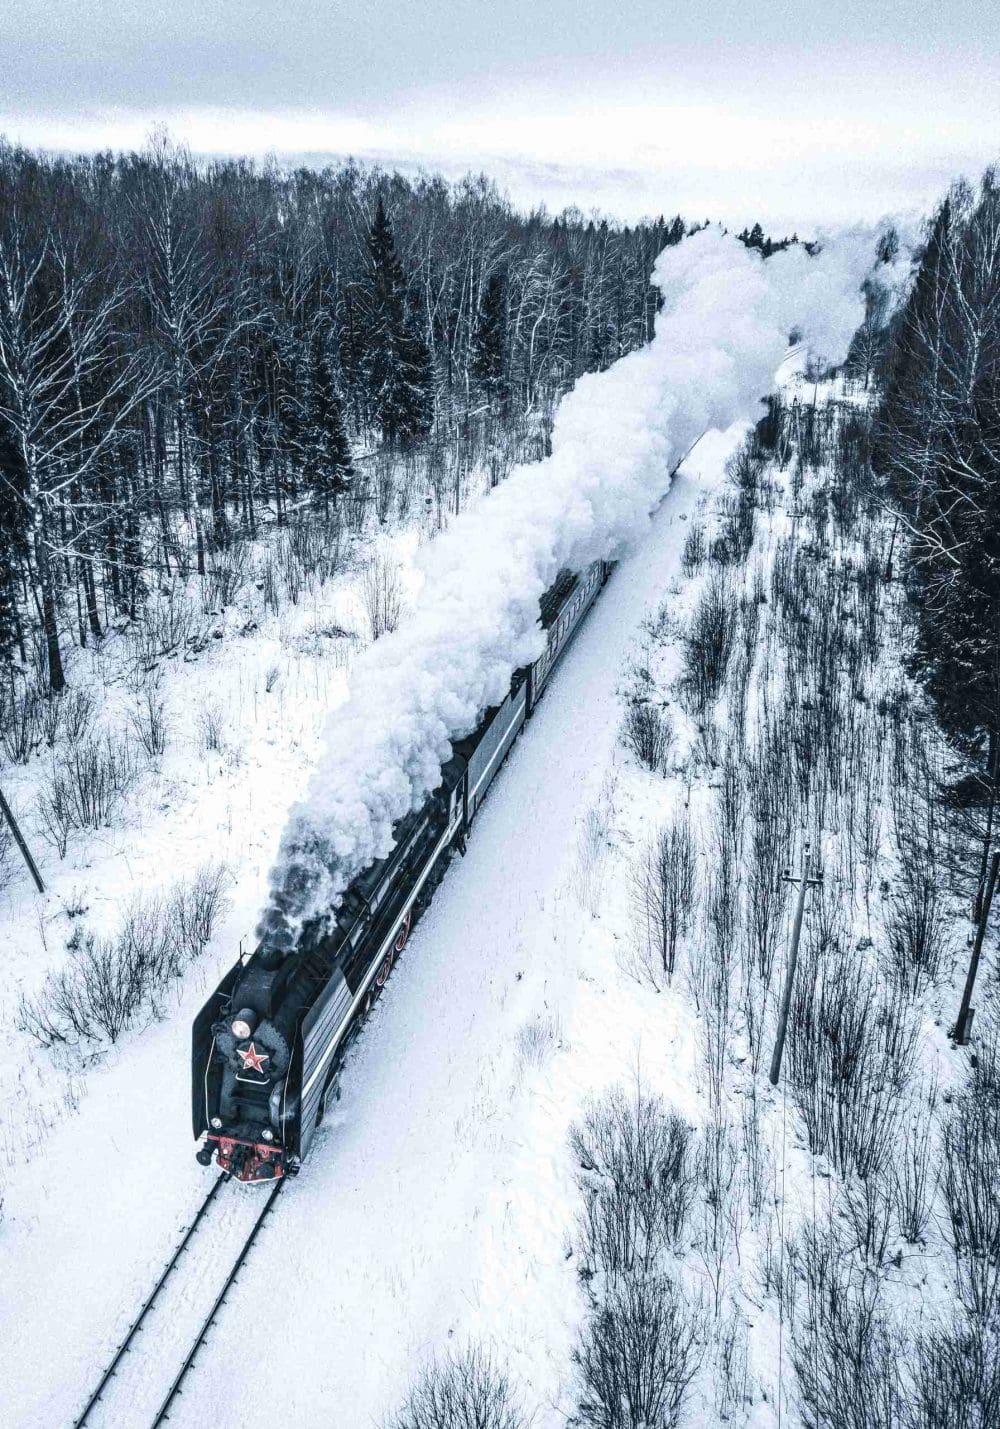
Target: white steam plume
{"points": [[722, 333]]}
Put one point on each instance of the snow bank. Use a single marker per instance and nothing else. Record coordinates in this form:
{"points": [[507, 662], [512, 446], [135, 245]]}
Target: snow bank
{"points": [[722, 333]]}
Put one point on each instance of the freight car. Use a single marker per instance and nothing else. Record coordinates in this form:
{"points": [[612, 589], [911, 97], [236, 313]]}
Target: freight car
{"points": [[268, 1045]]}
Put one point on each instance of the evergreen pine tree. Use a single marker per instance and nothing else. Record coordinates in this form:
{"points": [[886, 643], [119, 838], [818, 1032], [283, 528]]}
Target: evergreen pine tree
{"points": [[329, 466], [397, 363], [489, 355]]}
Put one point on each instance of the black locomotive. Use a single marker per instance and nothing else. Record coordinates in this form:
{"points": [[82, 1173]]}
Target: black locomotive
{"points": [[269, 1043]]}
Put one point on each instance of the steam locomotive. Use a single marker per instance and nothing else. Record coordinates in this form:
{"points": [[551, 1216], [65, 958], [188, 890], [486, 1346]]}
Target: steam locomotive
{"points": [[268, 1045]]}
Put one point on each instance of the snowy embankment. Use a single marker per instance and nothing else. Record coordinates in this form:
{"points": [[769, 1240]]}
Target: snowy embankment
{"points": [[721, 335]]}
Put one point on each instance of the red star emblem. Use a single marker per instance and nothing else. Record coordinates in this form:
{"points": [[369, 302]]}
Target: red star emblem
{"points": [[253, 1061]]}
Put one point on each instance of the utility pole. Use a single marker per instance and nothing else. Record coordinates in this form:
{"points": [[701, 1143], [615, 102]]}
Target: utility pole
{"points": [[805, 883], [963, 1026], [8, 814]]}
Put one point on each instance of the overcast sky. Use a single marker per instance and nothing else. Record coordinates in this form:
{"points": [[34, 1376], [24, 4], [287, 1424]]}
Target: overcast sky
{"points": [[797, 113]]}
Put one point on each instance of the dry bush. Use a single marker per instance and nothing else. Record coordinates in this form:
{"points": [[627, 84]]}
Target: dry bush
{"points": [[108, 982], [21, 723], [85, 788], [736, 530], [847, 1359], [869, 1206], [466, 1390], [718, 1162], [646, 731], [638, 1182], [916, 930], [714, 968], [536, 1038], [212, 728], [382, 594], [695, 550], [971, 1147], [638, 1354], [916, 1171], [955, 1374], [758, 1164], [167, 624], [194, 907], [708, 645], [731, 1381], [148, 722], [850, 1056], [229, 573], [79, 706], [663, 886]]}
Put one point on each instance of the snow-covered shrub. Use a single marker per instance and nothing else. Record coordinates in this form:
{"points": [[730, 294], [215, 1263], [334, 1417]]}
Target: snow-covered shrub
{"points": [[971, 1177], [646, 731], [956, 1376], [916, 931], [79, 707], [382, 594], [536, 1038], [638, 1354], [20, 723], [731, 1380], [846, 1354], [756, 1160], [86, 786], [97, 995], [212, 728], [695, 550], [708, 645], [465, 1390], [869, 1205], [592, 851], [718, 1236], [194, 907], [736, 531], [663, 888], [169, 623], [850, 1055], [229, 573], [916, 1171], [637, 1179], [148, 722], [308, 551], [108, 982]]}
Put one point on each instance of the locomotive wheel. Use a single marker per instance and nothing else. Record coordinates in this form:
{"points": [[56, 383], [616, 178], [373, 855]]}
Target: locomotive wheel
{"points": [[403, 934]]}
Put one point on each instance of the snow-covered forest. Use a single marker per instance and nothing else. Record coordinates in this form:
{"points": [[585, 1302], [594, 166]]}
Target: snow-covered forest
{"points": [[190, 355], [287, 462]]}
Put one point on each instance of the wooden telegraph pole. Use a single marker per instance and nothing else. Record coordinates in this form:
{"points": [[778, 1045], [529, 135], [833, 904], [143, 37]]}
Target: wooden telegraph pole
{"points": [[805, 883], [8, 814], [963, 1026]]}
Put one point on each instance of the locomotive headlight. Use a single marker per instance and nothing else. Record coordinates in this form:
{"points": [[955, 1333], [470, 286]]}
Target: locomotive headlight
{"points": [[217, 1123], [244, 1023], [267, 1134]]}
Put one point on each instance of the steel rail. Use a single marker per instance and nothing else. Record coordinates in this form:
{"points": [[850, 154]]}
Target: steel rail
{"points": [[163, 1413], [151, 1299]]}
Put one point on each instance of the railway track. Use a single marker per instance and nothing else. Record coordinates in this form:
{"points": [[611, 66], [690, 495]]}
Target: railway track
{"points": [[157, 1302]]}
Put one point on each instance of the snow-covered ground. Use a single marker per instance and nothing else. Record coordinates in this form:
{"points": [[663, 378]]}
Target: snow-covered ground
{"points": [[437, 1201]]}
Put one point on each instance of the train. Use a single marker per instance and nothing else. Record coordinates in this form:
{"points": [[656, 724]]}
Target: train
{"points": [[269, 1044]]}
